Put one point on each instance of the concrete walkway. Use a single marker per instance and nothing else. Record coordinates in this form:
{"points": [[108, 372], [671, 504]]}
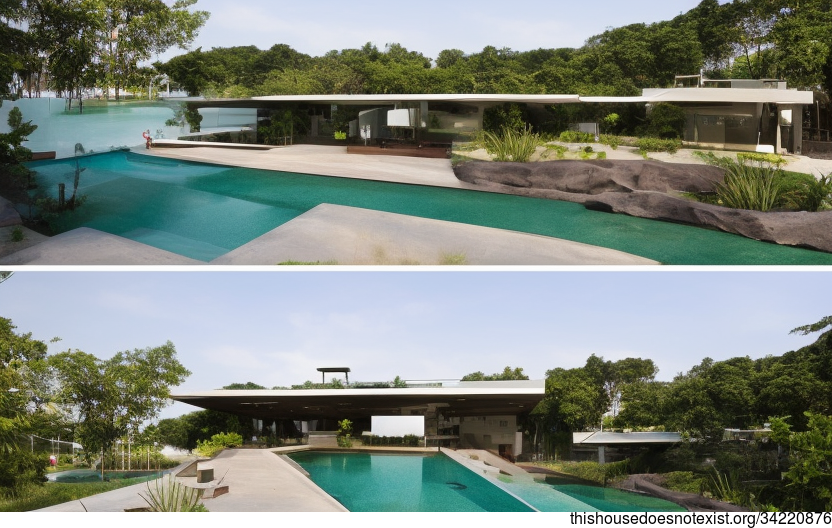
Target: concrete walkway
{"points": [[350, 236], [258, 481], [325, 161]]}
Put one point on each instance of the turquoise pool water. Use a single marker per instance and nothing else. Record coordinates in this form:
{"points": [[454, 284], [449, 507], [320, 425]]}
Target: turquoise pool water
{"points": [[365, 482], [203, 211], [75, 476], [613, 500], [548, 496]]}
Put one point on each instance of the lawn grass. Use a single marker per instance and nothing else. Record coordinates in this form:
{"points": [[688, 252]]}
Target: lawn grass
{"points": [[51, 493]]}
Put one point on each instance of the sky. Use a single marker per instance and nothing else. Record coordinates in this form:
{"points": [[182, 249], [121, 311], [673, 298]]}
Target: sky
{"points": [[315, 27], [277, 328]]}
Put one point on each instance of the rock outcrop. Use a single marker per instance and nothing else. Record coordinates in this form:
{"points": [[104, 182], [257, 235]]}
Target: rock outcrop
{"points": [[648, 189]]}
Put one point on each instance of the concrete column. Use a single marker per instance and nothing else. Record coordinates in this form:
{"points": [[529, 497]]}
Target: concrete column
{"points": [[601, 459]]}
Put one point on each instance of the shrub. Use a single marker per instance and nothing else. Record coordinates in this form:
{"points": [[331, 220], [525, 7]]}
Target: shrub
{"points": [[666, 121], [573, 136], [17, 234], [807, 193], [340, 136], [406, 441], [19, 468], [711, 159], [775, 160], [646, 145], [344, 433], [509, 115], [610, 140], [751, 188], [601, 156], [171, 496], [511, 145], [218, 442]]}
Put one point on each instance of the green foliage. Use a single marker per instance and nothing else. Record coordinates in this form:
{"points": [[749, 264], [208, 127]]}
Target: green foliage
{"points": [[344, 427], [573, 136], [37, 496], [168, 495], [218, 442], [512, 145], [344, 436], [812, 328], [810, 473], [808, 193], [684, 481], [666, 121], [403, 441], [244, 386], [749, 187], [710, 158], [612, 141], [509, 116], [507, 374], [20, 468], [775, 160], [112, 397], [646, 145], [601, 156], [591, 471], [342, 136]]}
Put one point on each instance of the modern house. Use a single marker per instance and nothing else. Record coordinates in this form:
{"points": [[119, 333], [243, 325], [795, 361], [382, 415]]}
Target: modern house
{"points": [[482, 415], [750, 115], [621, 445], [734, 114]]}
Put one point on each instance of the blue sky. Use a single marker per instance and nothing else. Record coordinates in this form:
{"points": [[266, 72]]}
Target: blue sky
{"points": [[277, 328], [428, 26]]}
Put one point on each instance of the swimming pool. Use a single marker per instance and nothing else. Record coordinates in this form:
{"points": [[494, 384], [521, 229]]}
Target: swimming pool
{"points": [[77, 476], [203, 211], [547, 496], [365, 482]]}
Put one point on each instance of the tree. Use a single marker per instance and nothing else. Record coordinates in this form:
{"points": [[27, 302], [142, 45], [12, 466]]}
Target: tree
{"points": [[507, 374], [809, 477], [18, 354], [135, 30], [111, 398], [14, 175], [244, 386]]}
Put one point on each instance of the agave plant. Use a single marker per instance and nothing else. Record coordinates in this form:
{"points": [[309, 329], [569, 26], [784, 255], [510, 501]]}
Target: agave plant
{"points": [[511, 145], [749, 187], [171, 496]]}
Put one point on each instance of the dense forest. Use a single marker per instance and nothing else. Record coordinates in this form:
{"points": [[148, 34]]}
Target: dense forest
{"points": [[788, 39]]}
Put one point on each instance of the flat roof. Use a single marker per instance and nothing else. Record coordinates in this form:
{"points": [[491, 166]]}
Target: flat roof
{"points": [[606, 438], [649, 95], [464, 399], [388, 99], [711, 95]]}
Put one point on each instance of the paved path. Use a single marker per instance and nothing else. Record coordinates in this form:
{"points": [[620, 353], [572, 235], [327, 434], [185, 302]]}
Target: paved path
{"points": [[326, 161], [351, 236], [258, 481]]}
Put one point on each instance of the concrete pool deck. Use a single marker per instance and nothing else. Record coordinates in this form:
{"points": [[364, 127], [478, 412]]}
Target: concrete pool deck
{"points": [[257, 480], [337, 235], [324, 161]]}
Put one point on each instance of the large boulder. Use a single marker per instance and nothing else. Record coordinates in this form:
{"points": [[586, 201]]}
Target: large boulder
{"points": [[648, 189], [593, 177], [809, 230]]}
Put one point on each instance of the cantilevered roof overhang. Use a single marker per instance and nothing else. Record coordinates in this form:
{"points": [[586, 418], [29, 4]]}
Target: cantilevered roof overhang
{"points": [[465, 399], [712, 95], [389, 99]]}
